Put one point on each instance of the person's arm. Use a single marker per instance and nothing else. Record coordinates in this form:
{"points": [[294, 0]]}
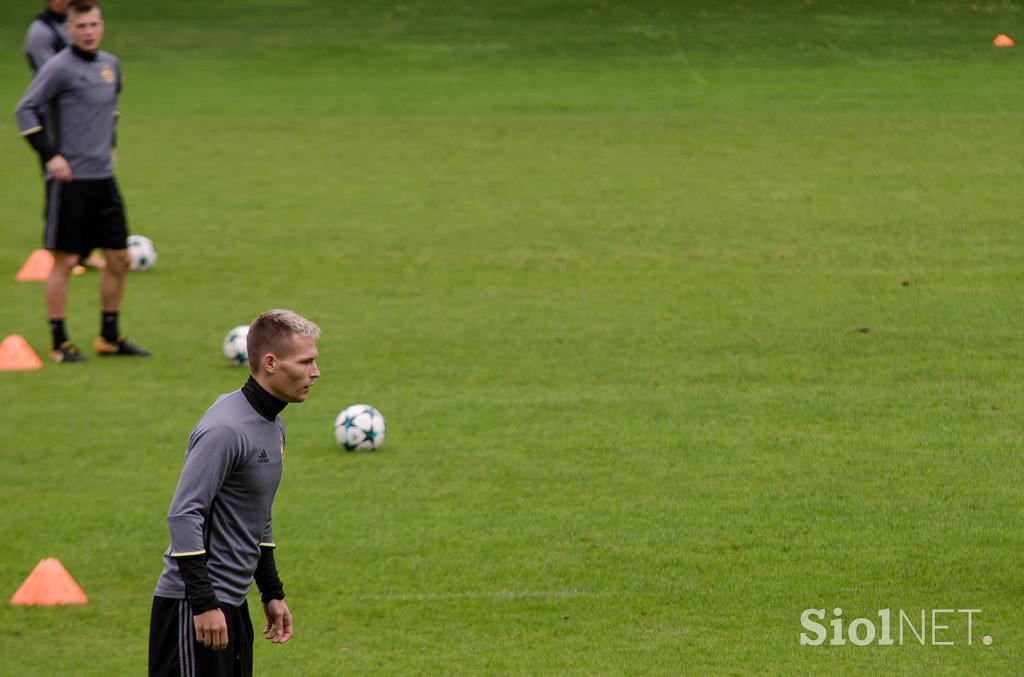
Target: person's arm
{"points": [[117, 118], [28, 115], [279, 618], [212, 455], [113, 140], [267, 579]]}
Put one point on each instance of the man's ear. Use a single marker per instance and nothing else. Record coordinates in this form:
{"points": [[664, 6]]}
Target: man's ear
{"points": [[269, 363]]}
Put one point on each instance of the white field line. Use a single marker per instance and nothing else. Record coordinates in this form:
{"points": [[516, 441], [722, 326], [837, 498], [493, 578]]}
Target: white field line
{"points": [[483, 594]]}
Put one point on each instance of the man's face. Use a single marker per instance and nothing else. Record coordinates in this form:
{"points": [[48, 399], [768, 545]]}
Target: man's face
{"points": [[289, 377], [85, 30], [58, 6]]}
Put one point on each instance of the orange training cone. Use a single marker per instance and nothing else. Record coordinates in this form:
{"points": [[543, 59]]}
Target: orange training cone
{"points": [[36, 267], [49, 584], [1003, 41], [17, 355]]}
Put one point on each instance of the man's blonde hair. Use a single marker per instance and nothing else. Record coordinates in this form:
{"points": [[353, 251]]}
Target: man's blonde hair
{"points": [[272, 331]]}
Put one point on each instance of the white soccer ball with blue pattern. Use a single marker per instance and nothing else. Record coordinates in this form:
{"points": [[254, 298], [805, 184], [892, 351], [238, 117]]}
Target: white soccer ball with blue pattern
{"points": [[141, 253], [359, 428], [235, 345]]}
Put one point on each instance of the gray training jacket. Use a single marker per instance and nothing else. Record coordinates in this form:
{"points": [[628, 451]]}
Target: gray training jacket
{"points": [[221, 507], [73, 100]]}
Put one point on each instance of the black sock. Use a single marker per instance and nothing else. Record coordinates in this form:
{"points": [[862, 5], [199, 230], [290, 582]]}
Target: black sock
{"points": [[57, 332], [108, 328]]}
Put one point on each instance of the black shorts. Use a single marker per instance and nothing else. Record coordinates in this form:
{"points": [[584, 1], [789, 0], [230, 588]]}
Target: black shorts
{"points": [[174, 651], [84, 215]]}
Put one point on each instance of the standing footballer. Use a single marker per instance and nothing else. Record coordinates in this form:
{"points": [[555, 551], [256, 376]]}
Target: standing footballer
{"points": [[67, 114], [220, 515], [45, 38]]}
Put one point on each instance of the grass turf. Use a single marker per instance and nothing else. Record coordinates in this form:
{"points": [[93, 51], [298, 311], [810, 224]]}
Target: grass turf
{"points": [[684, 318]]}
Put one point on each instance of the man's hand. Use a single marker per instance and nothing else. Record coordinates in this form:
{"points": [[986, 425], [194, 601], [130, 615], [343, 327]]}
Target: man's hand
{"points": [[59, 168], [212, 629], [279, 621]]}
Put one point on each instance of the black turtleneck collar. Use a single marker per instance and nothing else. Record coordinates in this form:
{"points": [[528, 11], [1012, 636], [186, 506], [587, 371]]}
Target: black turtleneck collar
{"points": [[263, 402], [82, 54], [49, 16]]}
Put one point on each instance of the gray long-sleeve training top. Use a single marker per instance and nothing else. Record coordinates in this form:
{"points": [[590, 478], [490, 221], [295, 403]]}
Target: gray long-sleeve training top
{"points": [[222, 504], [73, 101], [45, 37]]}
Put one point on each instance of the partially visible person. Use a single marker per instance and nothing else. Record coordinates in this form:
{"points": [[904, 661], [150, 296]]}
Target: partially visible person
{"points": [[67, 115], [46, 35]]}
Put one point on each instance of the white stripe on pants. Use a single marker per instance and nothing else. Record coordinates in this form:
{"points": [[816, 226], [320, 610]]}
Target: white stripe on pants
{"points": [[52, 215]]}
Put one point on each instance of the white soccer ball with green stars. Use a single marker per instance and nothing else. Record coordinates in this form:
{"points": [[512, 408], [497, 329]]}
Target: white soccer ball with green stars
{"points": [[359, 428]]}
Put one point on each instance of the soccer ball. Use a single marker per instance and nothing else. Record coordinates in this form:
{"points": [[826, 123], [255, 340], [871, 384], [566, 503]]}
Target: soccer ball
{"points": [[235, 346], [359, 428], [141, 252]]}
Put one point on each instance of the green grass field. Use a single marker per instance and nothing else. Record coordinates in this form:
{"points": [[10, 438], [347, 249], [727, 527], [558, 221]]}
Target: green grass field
{"points": [[685, 317]]}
